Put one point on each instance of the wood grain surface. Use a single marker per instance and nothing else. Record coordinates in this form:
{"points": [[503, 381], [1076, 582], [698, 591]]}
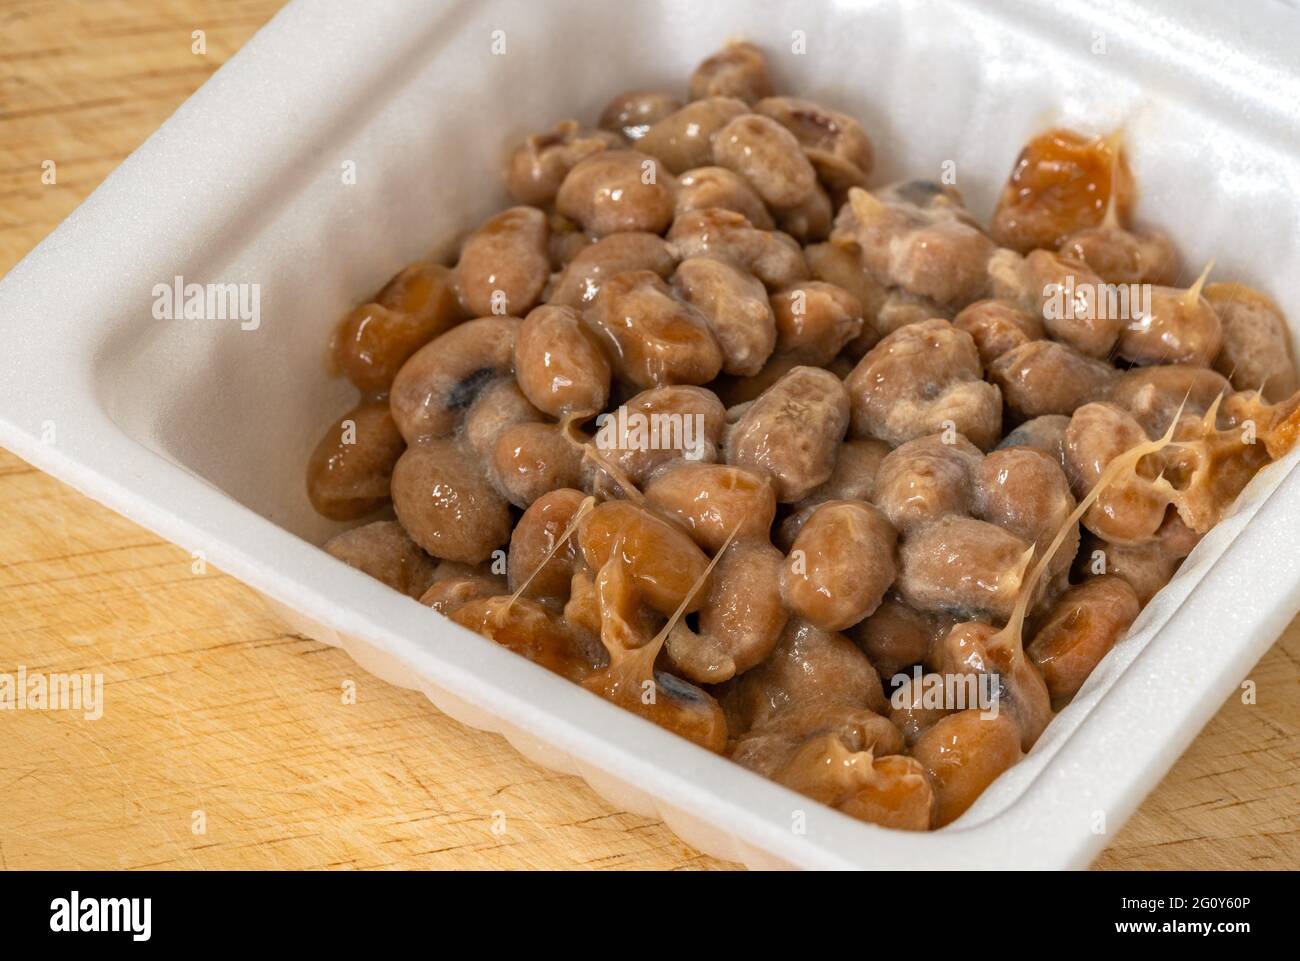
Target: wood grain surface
{"points": [[225, 743]]}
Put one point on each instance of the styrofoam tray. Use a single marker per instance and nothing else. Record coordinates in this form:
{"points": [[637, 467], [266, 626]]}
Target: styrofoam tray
{"points": [[200, 430]]}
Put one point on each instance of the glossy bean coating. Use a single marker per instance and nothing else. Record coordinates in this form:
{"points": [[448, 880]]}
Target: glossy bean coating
{"points": [[737, 70], [814, 320], [559, 363], [618, 190], [653, 337], [1077, 307], [1061, 183], [926, 479], [735, 304], [446, 504], [712, 500], [840, 266], [964, 566], [915, 708], [633, 113], [998, 326], [963, 754], [808, 666], [1120, 256], [442, 379], [840, 566], [452, 593], [530, 630], [768, 747], [663, 562], [1128, 511], [771, 256], [350, 471], [791, 432], [891, 791], [768, 156], [594, 264], [1081, 628], [921, 379], [385, 552], [1256, 352], [1045, 434], [705, 187], [375, 339], [533, 540], [530, 459], [539, 165], [684, 140], [1179, 330], [504, 264], [1043, 377], [1026, 492], [809, 220], [741, 619], [968, 653], [837, 146]]}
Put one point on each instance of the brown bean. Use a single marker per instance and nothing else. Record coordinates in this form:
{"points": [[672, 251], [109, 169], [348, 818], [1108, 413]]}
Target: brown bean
{"points": [[792, 431], [767, 748], [840, 266], [771, 256], [963, 566], [931, 249], [690, 423], [446, 504], [1122, 256], [533, 631], [897, 637], [1180, 329], [1149, 566], [504, 264], [814, 320], [559, 363], [1081, 628], [926, 479], [349, 473], [1045, 434], [616, 191], [836, 145], [998, 326], [1061, 183], [1027, 493], [534, 538], [914, 710], [1256, 352], [963, 754], [1155, 395], [580, 283], [810, 220], [653, 338], [442, 379], [768, 156], [539, 165], [633, 113], [385, 552], [704, 187], [531, 459], [854, 476], [375, 339], [970, 652], [452, 593], [711, 501], [498, 406], [684, 140], [840, 566], [663, 563], [921, 379], [736, 307], [737, 70], [891, 791], [1128, 511], [1077, 308], [1044, 377]]}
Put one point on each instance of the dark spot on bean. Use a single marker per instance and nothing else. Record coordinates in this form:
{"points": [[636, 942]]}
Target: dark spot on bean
{"points": [[463, 394]]}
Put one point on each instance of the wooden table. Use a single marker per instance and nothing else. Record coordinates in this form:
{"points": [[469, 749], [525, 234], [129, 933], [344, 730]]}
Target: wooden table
{"points": [[226, 743]]}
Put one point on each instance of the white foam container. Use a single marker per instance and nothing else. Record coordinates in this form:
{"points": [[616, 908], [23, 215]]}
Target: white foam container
{"points": [[200, 431]]}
